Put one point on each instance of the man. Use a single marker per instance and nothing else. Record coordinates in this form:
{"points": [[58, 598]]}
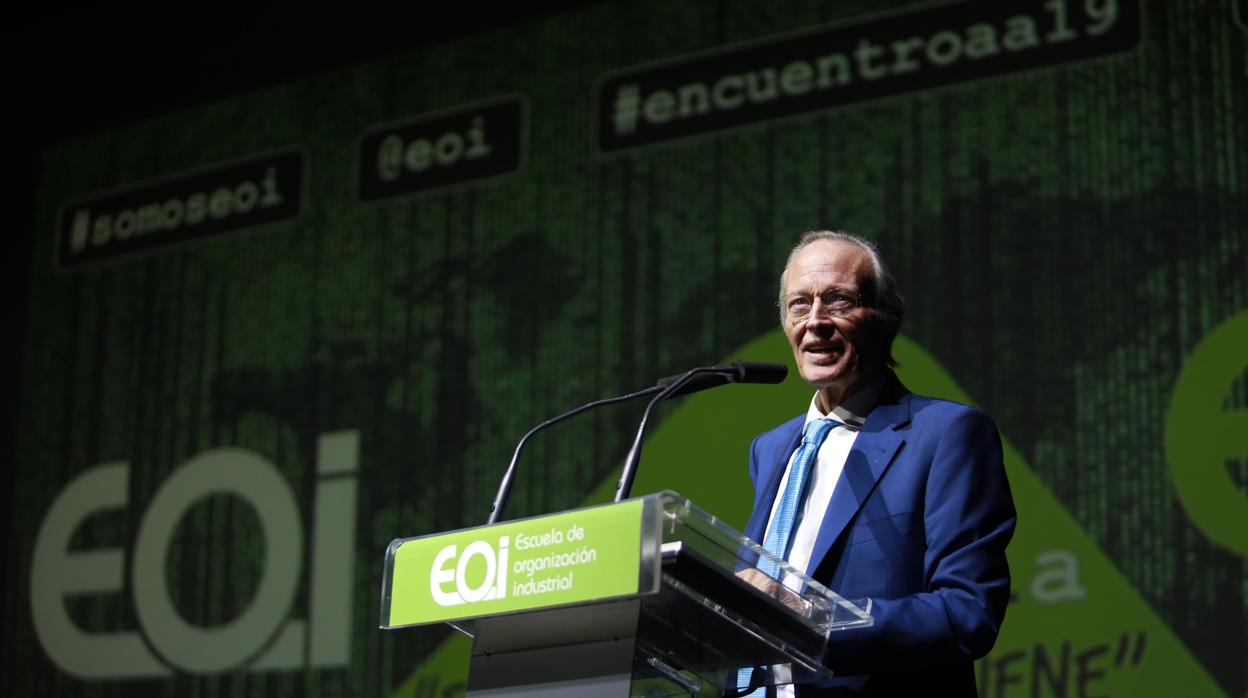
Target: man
{"points": [[900, 498]]}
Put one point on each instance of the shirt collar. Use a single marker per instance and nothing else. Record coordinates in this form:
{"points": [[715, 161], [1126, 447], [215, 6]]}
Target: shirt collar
{"points": [[853, 412]]}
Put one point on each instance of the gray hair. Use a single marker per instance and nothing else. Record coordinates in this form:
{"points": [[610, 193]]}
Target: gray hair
{"points": [[885, 297]]}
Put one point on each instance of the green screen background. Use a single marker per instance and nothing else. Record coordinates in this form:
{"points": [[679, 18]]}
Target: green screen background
{"points": [[1066, 239]]}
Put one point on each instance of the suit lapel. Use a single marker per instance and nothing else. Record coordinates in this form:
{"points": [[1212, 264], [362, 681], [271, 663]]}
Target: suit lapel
{"points": [[870, 456], [773, 470]]}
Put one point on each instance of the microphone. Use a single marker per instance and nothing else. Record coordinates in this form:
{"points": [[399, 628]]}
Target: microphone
{"points": [[723, 374], [504, 486], [691, 381], [671, 386]]}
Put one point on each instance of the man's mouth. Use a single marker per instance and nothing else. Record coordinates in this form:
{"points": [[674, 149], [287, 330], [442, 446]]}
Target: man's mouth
{"points": [[824, 352]]}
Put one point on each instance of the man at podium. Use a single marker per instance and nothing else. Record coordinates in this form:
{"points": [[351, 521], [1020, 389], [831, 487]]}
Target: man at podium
{"points": [[880, 493]]}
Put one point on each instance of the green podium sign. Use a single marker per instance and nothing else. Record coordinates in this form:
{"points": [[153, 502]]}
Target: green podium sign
{"points": [[642, 597], [567, 558]]}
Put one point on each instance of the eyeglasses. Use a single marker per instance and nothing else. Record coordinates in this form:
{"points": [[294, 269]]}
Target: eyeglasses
{"points": [[834, 302]]}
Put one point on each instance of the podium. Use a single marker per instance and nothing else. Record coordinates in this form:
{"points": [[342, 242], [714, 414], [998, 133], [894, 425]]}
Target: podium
{"points": [[647, 597]]}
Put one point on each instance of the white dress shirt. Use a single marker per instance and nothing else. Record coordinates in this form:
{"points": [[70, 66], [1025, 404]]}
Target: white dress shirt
{"points": [[821, 484]]}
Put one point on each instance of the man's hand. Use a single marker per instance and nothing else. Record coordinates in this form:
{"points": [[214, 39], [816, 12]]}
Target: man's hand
{"points": [[773, 588]]}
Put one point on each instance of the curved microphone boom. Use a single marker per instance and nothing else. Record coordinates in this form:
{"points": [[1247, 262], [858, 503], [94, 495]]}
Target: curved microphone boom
{"points": [[688, 382], [504, 487], [671, 386]]}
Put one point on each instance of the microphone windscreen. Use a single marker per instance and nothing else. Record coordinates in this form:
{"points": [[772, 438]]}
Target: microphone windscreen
{"points": [[759, 372]]}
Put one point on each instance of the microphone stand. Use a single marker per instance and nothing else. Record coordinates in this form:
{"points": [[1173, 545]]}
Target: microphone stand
{"points": [[625, 485], [504, 487]]}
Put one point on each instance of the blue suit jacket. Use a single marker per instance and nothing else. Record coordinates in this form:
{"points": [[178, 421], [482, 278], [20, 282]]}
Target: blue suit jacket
{"points": [[918, 522]]}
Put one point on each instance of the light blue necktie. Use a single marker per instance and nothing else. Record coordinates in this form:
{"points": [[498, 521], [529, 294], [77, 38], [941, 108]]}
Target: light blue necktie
{"points": [[780, 530]]}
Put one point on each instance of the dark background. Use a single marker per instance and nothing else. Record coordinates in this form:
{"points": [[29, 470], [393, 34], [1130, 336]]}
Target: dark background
{"points": [[80, 72], [78, 69]]}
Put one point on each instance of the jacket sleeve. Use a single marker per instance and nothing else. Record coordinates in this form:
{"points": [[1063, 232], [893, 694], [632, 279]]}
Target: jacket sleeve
{"points": [[968, 518]]}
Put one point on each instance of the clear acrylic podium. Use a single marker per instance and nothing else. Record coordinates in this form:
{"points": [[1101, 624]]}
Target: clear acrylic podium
{"points": [[700, 611]]}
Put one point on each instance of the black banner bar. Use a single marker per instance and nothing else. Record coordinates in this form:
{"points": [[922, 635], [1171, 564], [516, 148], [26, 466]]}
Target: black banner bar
{"points": [[846, 64], [181, 207], [442, 149]]}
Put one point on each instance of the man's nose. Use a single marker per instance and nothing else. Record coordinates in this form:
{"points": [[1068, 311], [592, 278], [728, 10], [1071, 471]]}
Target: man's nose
{"points": [[819, 321], [819, 314]]}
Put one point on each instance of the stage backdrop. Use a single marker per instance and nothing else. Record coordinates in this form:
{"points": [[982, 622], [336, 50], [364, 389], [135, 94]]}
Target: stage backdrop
{"points": [[269, 334]]}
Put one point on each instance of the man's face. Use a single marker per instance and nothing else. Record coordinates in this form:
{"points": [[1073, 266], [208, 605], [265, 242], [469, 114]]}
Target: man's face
{"points": [[837, 355]]}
